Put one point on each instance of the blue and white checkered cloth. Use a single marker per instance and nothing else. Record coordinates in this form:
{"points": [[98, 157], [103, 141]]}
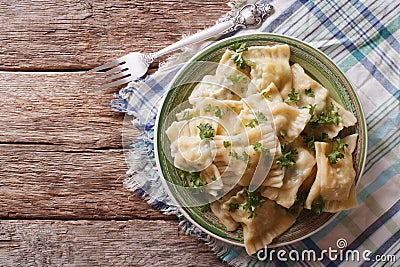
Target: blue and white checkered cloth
{"points": [[362, 38]]}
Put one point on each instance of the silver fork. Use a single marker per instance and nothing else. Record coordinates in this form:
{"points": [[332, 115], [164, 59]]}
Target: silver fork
{"points": [[134, 65]]}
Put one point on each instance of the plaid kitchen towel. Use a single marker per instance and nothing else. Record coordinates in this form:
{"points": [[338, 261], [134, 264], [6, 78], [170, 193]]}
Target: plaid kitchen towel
{"points": [[362, 38]]}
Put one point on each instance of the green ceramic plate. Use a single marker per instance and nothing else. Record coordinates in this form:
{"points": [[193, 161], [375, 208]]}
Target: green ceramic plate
{"points": [[318, 66]]}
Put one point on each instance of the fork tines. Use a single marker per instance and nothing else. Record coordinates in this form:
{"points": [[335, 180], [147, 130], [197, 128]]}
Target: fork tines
{"points": [[113, 73]]}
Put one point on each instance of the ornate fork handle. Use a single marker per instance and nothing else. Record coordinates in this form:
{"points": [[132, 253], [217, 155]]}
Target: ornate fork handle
{"points": [[251, 15], [134, 65]]}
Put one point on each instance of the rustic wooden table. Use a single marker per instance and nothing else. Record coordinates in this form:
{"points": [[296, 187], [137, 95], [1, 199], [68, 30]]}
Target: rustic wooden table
{"points": [[62, 201]]}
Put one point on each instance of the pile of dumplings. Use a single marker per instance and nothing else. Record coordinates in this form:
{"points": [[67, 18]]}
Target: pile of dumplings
{"points": [[254, 116]]}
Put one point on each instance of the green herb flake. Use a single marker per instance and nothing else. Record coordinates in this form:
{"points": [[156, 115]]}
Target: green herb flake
{"points": [[244, 157], [227, 144], [237, 79], [193, 179], [309, 93], [293, 96], [206, 131], [288, 157], [309, 141], [218, 112], [260, 117], [311, 108], [252, 201], [337, 153], [318, 206], [257, 146], [207, 108], [248, 165], [330, 116], [252, 124], [299, 202], [282, 133], [336, 118], [313, 122], [234, 154], [233, 206], [186, 115], [237, 55]]}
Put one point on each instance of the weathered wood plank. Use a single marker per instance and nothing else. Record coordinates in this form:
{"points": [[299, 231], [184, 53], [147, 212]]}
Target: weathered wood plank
{"points": [[56, 108], [46, 182], [61, 158], [60, 35], [105, 243]]}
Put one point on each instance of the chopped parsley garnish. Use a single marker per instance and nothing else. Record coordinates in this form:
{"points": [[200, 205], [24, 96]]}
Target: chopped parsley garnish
{"points": [[213, 178], [309, 93], [299, 202], [313, 122], [192, 179], [309, 141], [266, 153], [257, 146], [227, 144], [252, 124], [248, 164], [293, 96], [186, 115], [282, 133], [239, 78], [260, 117], [234, 154], [237, 56], [233, 206], [252, 201], [337, 153], [206, 131], [312, 109], [218, 112], [288, 157], [245, 157], [207, 108], [330, 116], [318, 206]]}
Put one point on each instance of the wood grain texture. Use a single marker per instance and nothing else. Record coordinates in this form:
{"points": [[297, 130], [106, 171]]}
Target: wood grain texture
{"points": [[62, 201], [57, 108], [47, 181], [79, 34], [94, 243]]}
